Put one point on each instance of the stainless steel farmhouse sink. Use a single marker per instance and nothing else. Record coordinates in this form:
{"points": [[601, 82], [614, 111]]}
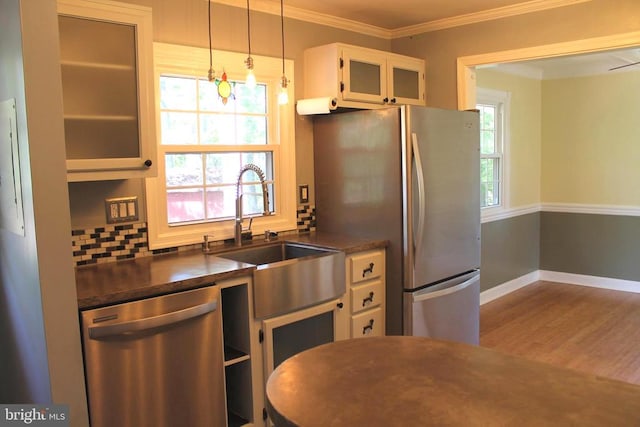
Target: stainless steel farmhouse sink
{"points": [[291, 276], [268, 254]]}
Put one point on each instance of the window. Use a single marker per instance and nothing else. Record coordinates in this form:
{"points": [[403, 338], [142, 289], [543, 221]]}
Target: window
{"points": [[493, 106], [203, 143]]}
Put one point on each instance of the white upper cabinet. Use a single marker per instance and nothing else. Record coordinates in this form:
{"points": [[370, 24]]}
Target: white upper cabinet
{"points": [[107, 83], [363, 78]]}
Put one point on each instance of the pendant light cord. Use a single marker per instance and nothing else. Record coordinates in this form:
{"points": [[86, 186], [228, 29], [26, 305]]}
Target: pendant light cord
{"points": [[282, 31], [210, 48], [249, 28]]}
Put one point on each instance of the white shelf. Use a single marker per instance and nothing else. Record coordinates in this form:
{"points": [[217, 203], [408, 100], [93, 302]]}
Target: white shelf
{"points": [[99, 117], [82, 64]]}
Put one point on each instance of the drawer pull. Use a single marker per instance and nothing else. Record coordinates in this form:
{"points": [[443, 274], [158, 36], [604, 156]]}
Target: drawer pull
{"points": [[367, 299], [368, 329], [367, 270]]}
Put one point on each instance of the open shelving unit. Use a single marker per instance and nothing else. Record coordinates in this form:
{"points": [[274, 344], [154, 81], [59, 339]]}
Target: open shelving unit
{"points": [[237, 354]]}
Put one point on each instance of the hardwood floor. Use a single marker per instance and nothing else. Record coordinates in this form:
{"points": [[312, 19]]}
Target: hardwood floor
{"points": [[582, 328]]}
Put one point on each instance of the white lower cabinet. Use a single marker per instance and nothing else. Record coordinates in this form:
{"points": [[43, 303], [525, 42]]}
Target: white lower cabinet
{"points": [[366, 288], [367, 324]]}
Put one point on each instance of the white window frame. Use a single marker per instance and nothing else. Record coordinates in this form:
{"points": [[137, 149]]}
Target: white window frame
{"points": [[192, 61], [502, 101]]}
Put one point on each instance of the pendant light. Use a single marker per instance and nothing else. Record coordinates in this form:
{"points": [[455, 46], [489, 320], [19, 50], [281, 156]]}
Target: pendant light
{"points": [[250, 81], [212, 74], [283, 96]]}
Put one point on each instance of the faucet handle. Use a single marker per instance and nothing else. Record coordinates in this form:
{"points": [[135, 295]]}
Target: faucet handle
{"points": [[206, 244]]}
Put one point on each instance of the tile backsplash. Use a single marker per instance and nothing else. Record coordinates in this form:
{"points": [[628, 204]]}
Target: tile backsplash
{"points": [[118, 242]]}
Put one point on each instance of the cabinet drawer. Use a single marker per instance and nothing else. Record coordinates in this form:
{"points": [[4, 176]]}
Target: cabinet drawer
{"points": [[366, 266], [367, 324], [366, 296]]}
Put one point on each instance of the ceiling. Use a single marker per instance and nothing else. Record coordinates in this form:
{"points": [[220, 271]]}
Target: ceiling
{"points": [[397, 18], [575, 65]]}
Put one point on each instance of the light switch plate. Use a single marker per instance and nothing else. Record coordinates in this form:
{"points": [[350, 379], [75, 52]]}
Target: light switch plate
{"points": [[303, 194], [121, 209]]}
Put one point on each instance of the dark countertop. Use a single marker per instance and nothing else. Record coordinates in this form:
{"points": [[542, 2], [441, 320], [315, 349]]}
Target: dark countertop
{"points": [[117, 282], [402, 381]]}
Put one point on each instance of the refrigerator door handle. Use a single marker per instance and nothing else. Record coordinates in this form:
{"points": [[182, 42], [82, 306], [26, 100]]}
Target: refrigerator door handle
{"points": [[427, 294], [131, 326], [417, 244]]}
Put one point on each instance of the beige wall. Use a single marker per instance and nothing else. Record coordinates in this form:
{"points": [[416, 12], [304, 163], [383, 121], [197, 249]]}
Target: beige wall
{"points": [[573, 140], [524, 146], [442, 48], [591, 128], [185, 22]]}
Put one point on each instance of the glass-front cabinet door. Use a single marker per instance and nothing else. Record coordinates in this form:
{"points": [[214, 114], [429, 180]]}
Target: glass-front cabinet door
{"points": [[406, 81], [364, 76], [107, 88]]}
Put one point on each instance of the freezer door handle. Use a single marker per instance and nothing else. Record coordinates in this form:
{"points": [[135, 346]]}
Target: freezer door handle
{"points": [[137, 325], [421, 194], [428, 294]]}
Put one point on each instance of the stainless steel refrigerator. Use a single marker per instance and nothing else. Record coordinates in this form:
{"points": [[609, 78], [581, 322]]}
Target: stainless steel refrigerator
{"points": [[409, 175]]}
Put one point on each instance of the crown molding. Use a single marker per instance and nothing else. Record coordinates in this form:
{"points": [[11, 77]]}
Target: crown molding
{"points": [[482, 16], [272, 7]]}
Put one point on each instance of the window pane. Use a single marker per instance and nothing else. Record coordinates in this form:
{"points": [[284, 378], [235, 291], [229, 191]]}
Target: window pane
{"points": [[177, 93], [179, 128], [252, 100], [264, 160], [489, 182], [221, 202], [183, 169], [252, 200], [227, 129], [218, 129], [211, 101], [223, 168], [185, 205], [487, 142], [487, 114], [252, 130]]}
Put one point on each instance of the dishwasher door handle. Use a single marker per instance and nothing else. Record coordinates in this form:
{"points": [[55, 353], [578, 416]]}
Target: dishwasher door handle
{"points": [[137, 325]]}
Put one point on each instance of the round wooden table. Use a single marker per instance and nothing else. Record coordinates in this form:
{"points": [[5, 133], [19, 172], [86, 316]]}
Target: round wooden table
{"points": [[413, 381]]}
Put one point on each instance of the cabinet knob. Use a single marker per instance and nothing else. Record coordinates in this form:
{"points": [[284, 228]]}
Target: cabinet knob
{"points": [[340, 305], [385, 100], [148, 163], [393, 100]]}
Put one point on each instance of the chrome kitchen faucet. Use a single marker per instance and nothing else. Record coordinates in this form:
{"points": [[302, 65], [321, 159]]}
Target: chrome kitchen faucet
{"points": [[265, 199]]}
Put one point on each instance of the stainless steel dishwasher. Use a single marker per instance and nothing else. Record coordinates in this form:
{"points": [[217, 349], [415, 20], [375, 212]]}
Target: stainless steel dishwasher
{"points": [[156, 362]]}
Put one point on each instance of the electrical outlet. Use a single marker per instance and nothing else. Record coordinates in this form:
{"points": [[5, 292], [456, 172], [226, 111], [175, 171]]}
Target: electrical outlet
{"points": [[122, 209]]}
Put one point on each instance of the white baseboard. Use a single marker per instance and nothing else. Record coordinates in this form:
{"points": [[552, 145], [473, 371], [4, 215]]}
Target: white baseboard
{"points": [[556, 276], [508, 287], [593, 281]]}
